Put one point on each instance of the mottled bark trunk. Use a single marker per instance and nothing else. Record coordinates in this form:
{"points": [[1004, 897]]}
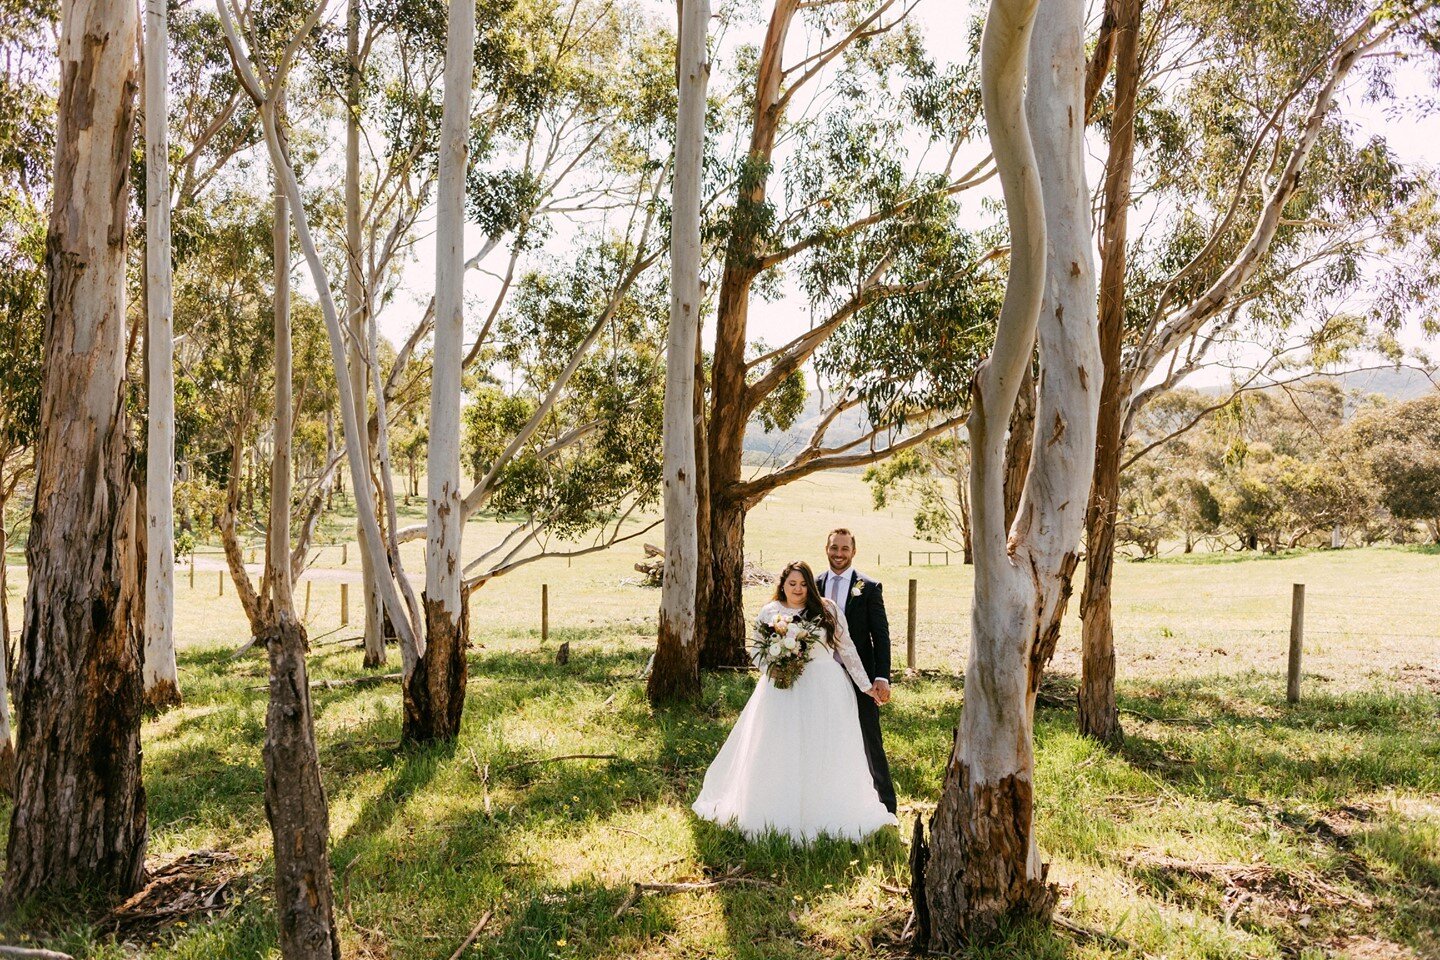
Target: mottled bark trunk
{"points": [[435, 686], [161, 674], [1098, 716], [435, 689], [675, 674], [295, 803], [78, 821], [725, 613]]}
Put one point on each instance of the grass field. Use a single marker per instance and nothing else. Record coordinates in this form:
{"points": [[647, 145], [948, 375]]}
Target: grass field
{"points": [[1229, 825]]}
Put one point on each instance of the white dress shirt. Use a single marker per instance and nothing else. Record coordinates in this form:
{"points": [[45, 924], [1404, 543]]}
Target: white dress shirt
{"points": [[837, 591]]}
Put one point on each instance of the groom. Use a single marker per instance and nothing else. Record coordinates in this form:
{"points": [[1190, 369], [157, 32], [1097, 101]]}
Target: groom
{"points": [[864, 605]]}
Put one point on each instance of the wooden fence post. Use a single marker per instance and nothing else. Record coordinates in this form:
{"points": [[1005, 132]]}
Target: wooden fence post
{"points": [[1297, 637], [192, 571], [344, 554], [544, 612], [307, 599], [910, 562], [344, 604], [220, 576], [910, 629]]}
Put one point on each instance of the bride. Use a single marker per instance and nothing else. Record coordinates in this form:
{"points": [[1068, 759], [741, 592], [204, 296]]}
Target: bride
{"points": [[795, 762]]}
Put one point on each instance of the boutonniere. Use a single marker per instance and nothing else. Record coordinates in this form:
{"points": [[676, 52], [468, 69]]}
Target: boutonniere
{"points": [[858, 589]]}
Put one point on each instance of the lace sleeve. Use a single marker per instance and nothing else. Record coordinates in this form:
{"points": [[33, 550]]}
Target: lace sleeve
{"points": [[765, 613], [849, 658]]}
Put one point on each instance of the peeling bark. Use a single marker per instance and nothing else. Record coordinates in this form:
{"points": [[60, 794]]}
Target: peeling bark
{"points": [[79, 821]]}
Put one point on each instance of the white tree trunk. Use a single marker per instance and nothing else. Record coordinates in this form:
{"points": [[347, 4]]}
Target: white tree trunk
{"points": [[162, 680], [984, 866], [676, 672], [436, 695], [355, 301]]}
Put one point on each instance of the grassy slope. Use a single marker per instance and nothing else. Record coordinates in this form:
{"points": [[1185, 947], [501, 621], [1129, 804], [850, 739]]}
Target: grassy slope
{"points": [[1229, 825]]}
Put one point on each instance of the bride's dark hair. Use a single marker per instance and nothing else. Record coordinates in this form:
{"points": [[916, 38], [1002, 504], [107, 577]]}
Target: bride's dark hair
{"points": [[814, 609]]}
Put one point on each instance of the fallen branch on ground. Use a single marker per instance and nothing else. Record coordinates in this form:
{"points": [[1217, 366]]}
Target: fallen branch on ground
{"points": [[473, 934], [638, 889], [24, 953], [568, 756], [347, 682]]}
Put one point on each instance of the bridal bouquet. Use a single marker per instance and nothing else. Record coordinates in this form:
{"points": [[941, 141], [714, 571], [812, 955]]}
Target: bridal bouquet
{"points": [[782, 647]]}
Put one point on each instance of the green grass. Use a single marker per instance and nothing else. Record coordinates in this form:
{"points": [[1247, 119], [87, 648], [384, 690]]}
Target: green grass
{"points": [[1226, 820], [1230, 824]]}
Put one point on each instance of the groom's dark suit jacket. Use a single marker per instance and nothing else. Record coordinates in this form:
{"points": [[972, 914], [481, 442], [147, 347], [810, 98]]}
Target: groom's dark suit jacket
{"points": [[870, 630], [869, 627]]}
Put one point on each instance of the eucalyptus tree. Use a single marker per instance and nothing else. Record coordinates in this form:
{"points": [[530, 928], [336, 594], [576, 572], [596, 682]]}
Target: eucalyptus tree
{"points": [[77, 824], [162, 677], [433, 712], [981, 866], [264, 52], [1268, 209], [676, 670], [575, 468], [870, 235], [1399, 445]]}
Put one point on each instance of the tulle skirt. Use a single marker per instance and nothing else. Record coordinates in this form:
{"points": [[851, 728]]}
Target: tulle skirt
{"points": [[795, 762]]}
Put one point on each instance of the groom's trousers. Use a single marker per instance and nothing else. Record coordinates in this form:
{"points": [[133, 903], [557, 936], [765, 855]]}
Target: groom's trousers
{"points": [[875, 748]]}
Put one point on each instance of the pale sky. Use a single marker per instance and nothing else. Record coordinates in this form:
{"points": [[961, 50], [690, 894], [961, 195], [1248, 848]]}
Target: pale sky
{"points": [[1414, 138]]}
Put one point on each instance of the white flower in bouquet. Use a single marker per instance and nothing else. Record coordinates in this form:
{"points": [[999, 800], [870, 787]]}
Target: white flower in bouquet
{"points": [[791, 643], [775, 649]]}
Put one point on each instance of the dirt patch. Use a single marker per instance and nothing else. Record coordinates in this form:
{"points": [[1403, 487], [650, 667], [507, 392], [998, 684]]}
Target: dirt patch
{"points": [[1369, 948]]}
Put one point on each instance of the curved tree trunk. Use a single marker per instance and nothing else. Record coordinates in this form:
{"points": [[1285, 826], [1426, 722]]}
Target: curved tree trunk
{"points": [[78, 823], [435, 689], [1097, 713], [676, 672], [162, 678], [982, 866]]}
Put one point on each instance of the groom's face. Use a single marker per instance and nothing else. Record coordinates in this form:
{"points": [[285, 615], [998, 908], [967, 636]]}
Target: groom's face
{"points": [[841, 551]]}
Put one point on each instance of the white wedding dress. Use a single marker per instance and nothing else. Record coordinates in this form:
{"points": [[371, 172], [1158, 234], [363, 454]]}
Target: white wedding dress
{"points": [[795, 762]]}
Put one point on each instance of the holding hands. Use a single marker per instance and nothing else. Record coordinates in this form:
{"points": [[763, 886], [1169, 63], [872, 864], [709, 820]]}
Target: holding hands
{"points": [[880, 691]]}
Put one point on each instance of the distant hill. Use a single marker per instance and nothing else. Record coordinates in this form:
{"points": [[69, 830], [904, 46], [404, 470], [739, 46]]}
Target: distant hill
{"points": [[1402, 384], [777, 447], [781, 445]]}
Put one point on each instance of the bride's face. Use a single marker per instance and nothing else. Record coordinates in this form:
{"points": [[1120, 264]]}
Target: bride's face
{"points": [[795, 589]]}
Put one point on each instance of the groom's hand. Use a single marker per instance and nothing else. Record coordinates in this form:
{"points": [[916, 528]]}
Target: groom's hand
{"points": [[881, 692]]}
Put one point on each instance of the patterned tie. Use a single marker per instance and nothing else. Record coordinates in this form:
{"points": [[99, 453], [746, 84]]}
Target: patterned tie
{"points": [[834, 586]]}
